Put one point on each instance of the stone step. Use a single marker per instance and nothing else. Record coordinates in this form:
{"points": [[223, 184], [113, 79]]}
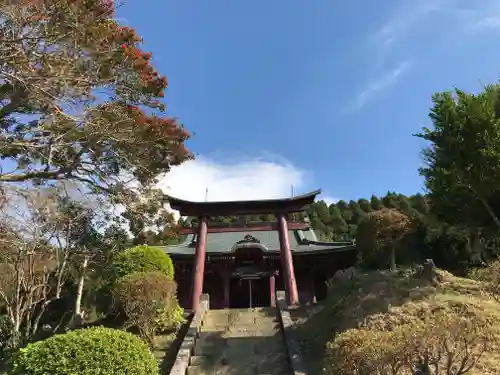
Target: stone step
{"points": [[199, 370], [219, 342], [265, 329], [240, 341], [204, 361], [210, 335], [213, 328], [207, 350], [272, 363], [258, 324], [197, 360]]}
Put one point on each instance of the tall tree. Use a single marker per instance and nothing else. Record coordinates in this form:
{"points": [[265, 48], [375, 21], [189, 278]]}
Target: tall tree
{"points": [[342, 205], [81, 101], [382, 229], [375, 203], [390, 200], [405, 205], [420, 203], [365, 205], [337, 221], [462, 172], [323, 212], [357, 212]]}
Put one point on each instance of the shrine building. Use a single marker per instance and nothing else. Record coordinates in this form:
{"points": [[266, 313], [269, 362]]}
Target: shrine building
{"points": [[241, 265]]}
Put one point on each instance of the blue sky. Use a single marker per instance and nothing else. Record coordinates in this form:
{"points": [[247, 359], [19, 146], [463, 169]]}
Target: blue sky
{"points": [[318, 94]]}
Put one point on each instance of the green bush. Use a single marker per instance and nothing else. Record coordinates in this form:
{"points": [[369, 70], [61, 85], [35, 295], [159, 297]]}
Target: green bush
{"points": [[143, 258], [87, 351], [149, 301]]}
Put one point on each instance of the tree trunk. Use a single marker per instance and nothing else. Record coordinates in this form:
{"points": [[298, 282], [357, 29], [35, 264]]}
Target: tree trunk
{"points": [[36, 321], [15, 339], [393, 257], [79, 313], [488, 208]]}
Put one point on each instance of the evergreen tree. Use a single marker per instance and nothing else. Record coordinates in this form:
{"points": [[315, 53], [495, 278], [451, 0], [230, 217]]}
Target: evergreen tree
{"points": [[375, 203], [267, 218], [419, 203], [323, 212], [338, 223], [357, 213], [390, 201], [405, 205], [342, 205], [348, 215], [365, 205]]}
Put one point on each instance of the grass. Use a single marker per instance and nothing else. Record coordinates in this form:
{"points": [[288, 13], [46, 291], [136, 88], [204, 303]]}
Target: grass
{"points": [[382, 300]]}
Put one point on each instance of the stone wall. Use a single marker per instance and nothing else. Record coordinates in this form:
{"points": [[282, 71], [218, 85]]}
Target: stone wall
{"points": [[292, 344], [182, 359]]}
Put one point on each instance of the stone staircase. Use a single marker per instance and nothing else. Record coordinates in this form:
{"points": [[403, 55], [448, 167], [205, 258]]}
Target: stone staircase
{"points": [[240, 341]]}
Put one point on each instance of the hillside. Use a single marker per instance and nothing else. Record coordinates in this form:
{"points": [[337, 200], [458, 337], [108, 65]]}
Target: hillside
{"points": [[376, 315]]}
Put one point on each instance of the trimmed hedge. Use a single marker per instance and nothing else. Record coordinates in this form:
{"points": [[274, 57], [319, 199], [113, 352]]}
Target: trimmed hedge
{"points": [[87, 351], [143, 258], [149, 301]]}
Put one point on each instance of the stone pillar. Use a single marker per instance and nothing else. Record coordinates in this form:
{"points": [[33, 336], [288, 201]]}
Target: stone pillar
{"points": [[272, 290], [199, 266], [287, 262], [227, 288]]}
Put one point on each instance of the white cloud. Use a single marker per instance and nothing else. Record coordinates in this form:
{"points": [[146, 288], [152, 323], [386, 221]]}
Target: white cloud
{"points": [[234, 179], [455, 16], [485, 23], [404, 19], [382, 83], [328, 199]]}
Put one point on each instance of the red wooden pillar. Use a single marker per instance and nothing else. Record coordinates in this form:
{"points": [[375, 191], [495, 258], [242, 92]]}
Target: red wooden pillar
{"points": [[199, 266], [272, 290], [287, 261]]}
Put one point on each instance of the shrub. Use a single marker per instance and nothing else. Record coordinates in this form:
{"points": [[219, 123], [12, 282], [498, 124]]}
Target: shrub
{"points": [[445, 342], [149, 301], [490, 276], [87, 351], [143, 258]]}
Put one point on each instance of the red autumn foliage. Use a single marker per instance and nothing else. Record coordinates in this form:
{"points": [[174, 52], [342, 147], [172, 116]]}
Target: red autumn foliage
{"points": [[126, 135]]}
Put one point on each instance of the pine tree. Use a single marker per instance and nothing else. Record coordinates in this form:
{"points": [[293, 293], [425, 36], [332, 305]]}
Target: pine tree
{"points": [[390, 200], [323, 212], [419, 203], [375, 203], [342, 205], [357, 213], [365, 205], [405, 205], [338, 223]]}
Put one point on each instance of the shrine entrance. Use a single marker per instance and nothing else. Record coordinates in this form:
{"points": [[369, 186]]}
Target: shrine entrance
{"points": [[248, 292], [250, 278]]}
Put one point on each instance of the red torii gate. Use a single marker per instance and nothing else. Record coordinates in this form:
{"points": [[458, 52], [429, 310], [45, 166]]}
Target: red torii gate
{"points": [[279, 207]]}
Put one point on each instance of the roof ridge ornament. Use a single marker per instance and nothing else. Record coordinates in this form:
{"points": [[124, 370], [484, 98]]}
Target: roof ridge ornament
{"points": [[248, 239]]}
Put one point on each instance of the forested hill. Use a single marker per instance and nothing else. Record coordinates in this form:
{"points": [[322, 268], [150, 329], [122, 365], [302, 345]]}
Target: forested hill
{"points": [[339, 221], [448, 245]]}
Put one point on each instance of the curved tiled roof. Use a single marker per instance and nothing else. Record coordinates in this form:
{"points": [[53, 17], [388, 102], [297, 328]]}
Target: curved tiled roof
{"points": [[301, 241], [229, 208]]}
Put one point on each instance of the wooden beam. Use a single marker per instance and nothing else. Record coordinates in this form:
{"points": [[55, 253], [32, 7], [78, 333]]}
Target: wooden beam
{"points": [[251, 228]]}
